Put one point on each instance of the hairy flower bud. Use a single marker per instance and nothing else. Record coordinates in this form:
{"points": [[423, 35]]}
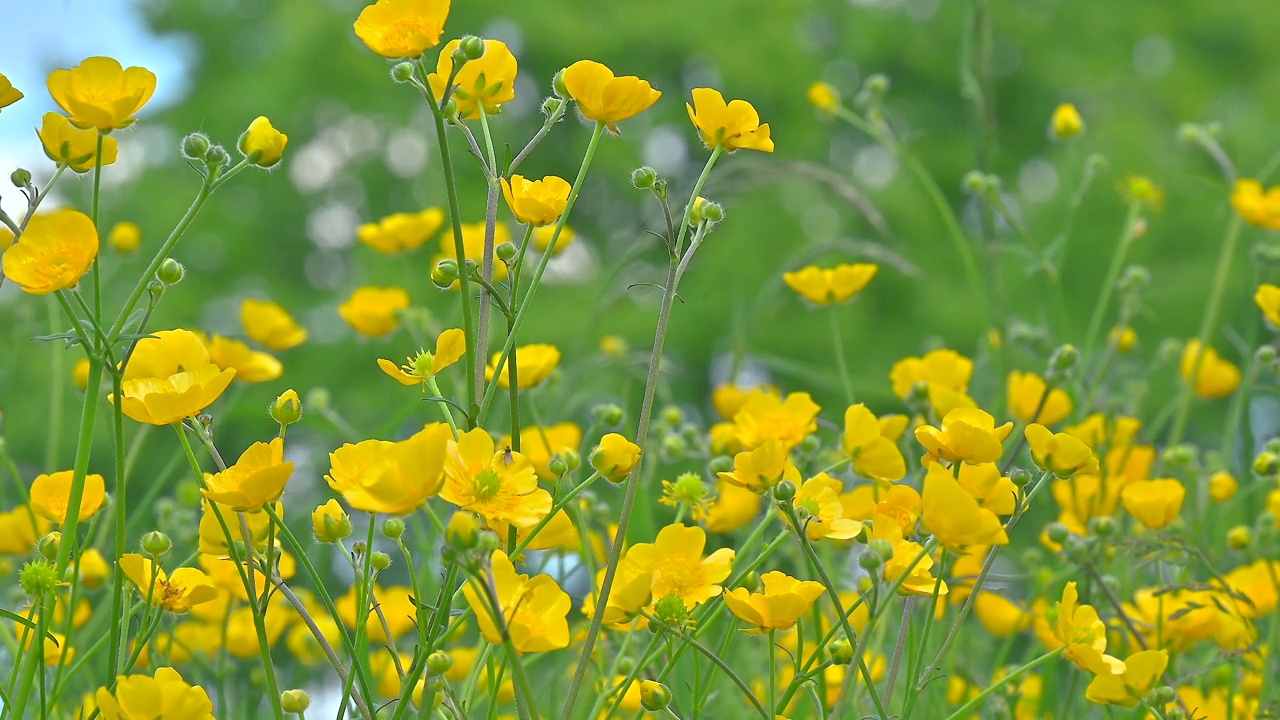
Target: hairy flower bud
{"points": [[393, 528], [644, 177], [195, 146], [379, 560], [402, 72], [156, 543], [439, 662], [287, 408], [472, 47]]}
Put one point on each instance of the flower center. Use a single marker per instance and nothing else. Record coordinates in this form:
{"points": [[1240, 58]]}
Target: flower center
{"points": [[488, 484]]}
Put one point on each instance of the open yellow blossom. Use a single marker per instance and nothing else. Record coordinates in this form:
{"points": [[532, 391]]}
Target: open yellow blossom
{"points": [[760, 469], [1216, 377], [989, 487], [784, 601], [542, 239], [954, 516], [873, 454], [166, 696], [1154, 503], [999, 615], [1268, 300], [402, 28], [535, 610], [729, 126], [536, 202], [967, 434], [499, 485], [256, 479], [824, 97], [390, 477], [212, 541], [1256, 581], [176, 593], [92, 567], [534, 363], [451, 345], [1028, 403], [605, 98], [631, 593], [170, 377], [483, 84], [678, 567], [1084, 635], [1066, 122], [51, 495], [819, 497], [1141, 671], [8, 93], [729, 398], [1059, 453], [56, 250], [74, 147], [615, 457], [825, 286], [269, 324], [99, 93], [944, 368], [909, 560], [766, 417], [125, 237], [19, 530], [261, 144], [900, 503], [251, 366], [539, 444], [401, 232], [733, 508], [473, 248], [397, 607], [1257, 205], [374, 311]]}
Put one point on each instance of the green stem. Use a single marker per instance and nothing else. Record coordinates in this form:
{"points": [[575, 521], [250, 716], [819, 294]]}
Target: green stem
{"points": [[842, 366], [720, 663], [965, 710], [1113, 276]]}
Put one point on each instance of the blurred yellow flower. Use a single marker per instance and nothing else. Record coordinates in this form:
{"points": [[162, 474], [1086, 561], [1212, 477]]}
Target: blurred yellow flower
{"points": [[125, 237], [176, 593], [784, 601], [499, 485], [954, 516], [615, 457], [51, 496], [1154, 503], [873, 454], [1142, 190], [944, 368], [535, 610], [1066, 122], [74, 147], [397, 605], [394, 478], [1216, 377], [163, 697], [8, 93], [170, 377], [266, 323], [1000, 616], [250, 365], [824, 97], [766, 417], [213, 542], [1222, 486], [734, 506], [92, 567], [374, 311], [908, 559], [55, 251], [1084, 635], [631, 593], [473, 247], [261, 144], [1122, 338], [729, 398], [402, 28], [539, 444], [1268, 300], [1257, 205], [760, 469], [967, 434], [819, 496], [542, 239], [256, 479], [534, 363], [450, 346], [483, 84], [1028, 403], [1059, 453], [605, 98], [401, 232], [536, 202], [1127, 688], [99, 93], [824, 286], [678, 567], [729, 126], [19, 530], [80, 374]]}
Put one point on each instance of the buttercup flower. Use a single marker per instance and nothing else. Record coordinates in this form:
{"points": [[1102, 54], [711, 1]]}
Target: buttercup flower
{"points": [[760, 469], [394, 478], [125, 236], [728, 399], [784, 601], [483, 84], [402, 28], [766, 417], [19, 530], [873, 454], [675, 560], [266, 323], [1066, 122], [823, 97], [1268, 300], [955, 516], [542, 239], [397, 607], [1059, 453], [989, 487], [1222, 486], [213, 542], [261, 144], [967, 434], [733, 508], [536, 202], [1257, 205], [1141, 671], [500, 485], [170, 377], [76, 148], [535, 609], [8, 93], [1142, 190], [1028, 403], [1216, 377], [80, 374], [605, 98], [1122, 338], [56, 250], [943, 368], [250, 365], [1079, 628], [51, 495], [401, 232], [824, 286], [731, 126], [330, 522], [256, 479], [450, 346], [1154, 503], [99, 93], [626, 600], [373, 311], [163, 697], [176, 593], [819, 496], [999, 615], [908, 559], [534, 364], [615, 457], [539, 444]]}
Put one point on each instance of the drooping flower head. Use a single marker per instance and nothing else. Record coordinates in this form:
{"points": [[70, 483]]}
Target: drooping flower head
{"points": [[402, 28], [99, 93], [482, 84], [730, 126], [825, 286], [605, 98], [74, 147]]}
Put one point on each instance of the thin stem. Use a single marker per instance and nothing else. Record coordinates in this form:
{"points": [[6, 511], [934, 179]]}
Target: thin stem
{"points": [[720, 663], [1113, 276], [966, 710], [842, 366]]}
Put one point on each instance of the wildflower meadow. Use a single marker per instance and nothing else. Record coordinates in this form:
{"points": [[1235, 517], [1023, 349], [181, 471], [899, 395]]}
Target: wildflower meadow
{"points": [[579, 391]]}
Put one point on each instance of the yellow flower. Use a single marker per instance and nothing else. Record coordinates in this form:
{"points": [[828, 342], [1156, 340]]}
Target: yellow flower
{"points": [[80, 374], [675, 559], [760, 469], [1141, 189], [483, 84], [944, 368], [955, 516], [604, 98], [266, 323], [539, 444], [1066, 122], [824, 97], [176, 593], [784, 601], [967, 434], [55, 251], [76, 148], [1256, 581], [250, 365], [19, 530], [535, 610], [1122, 338], [1154, 503], [630, 594], [999, 615], [125, 237], [330, 522], [819, 496], [1059, 453], [51, 496], [473, 248], [213, 542], [536, 202], [165, 697], [501, 485], [100, 94], [873, 454], [901, 503], [402, 28], [731, 126], [1268, 300], [542, 240], [450, 346], [398, 608], [1222, 486], [1084, 635], [766, 417], [919, 579], [1141, 671], [1258, 206], [261, 144], [401, 232], [8, 93], [92, 567], [395, 478], [1216, 377], [733, 508], [824, 286], [728, 399], [1026, 393], [374, 311], [169, 378], [615, 457], [256, 479], [989, 487], [534, 364]]}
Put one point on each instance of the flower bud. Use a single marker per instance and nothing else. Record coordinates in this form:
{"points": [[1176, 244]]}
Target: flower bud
{"points": [[48, 546], [1265, 355], [841, 652], [402, 72], [974, 182], [644, 177], [1057, 533], [870, 561], [20, 177], [1103, 526], [450, 109], [170, 272], [1239, 537], [784, 491], [156, 543], [506, 252], [654, 695], [379, 560], [217, 157], [472, 47], [1266, 463], [750, 582], [712, 212], [1180, 455], [674, 446], [865, 584], [487, 542], [1222, 486], [195, 146], [1064, 359], [1020, 477], [38, 578], [439, 662], [1163, 695], [552, 106], [719, 464], [570, 457], [615, 457], [558, 466], [606, 414], [463, 531], [445, 274], [878, 83], [287, 408], [295, 701], [330, 522], [557, 85], [881, 547], [392, 528]]}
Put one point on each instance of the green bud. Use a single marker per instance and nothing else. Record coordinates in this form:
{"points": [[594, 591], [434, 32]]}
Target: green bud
{"points": [[217, 157], [20, 178], [1103, 526], [1020, 477], [439, 662], [672, 415], [445, 274], [870, 561], [170, 272], [882, 548], [48, 546], [1265, 355], [156, 543], [557, 85], [487, 542], [295, 701], [472, 47], [1057, 533], [841, 652], [1266, 463], [379, 560], [719, 464], [450, 109], [1190, 133], [865, 584], [644, 177], [1135, 278], [402, 72], [286, 409], [570, 457], [654, 695], [974, 182], [319, 398], [750, 582], [558, 466], [393, 528], [784, 491], [674, 446], [506, 252], [463, 531], [195, 146], [712, 212], [1239, 537], [552, 106], [1163, 695], [606, 415]]}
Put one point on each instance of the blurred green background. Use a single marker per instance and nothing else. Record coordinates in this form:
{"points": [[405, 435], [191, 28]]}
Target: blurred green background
{"points": [[361, 147]]}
